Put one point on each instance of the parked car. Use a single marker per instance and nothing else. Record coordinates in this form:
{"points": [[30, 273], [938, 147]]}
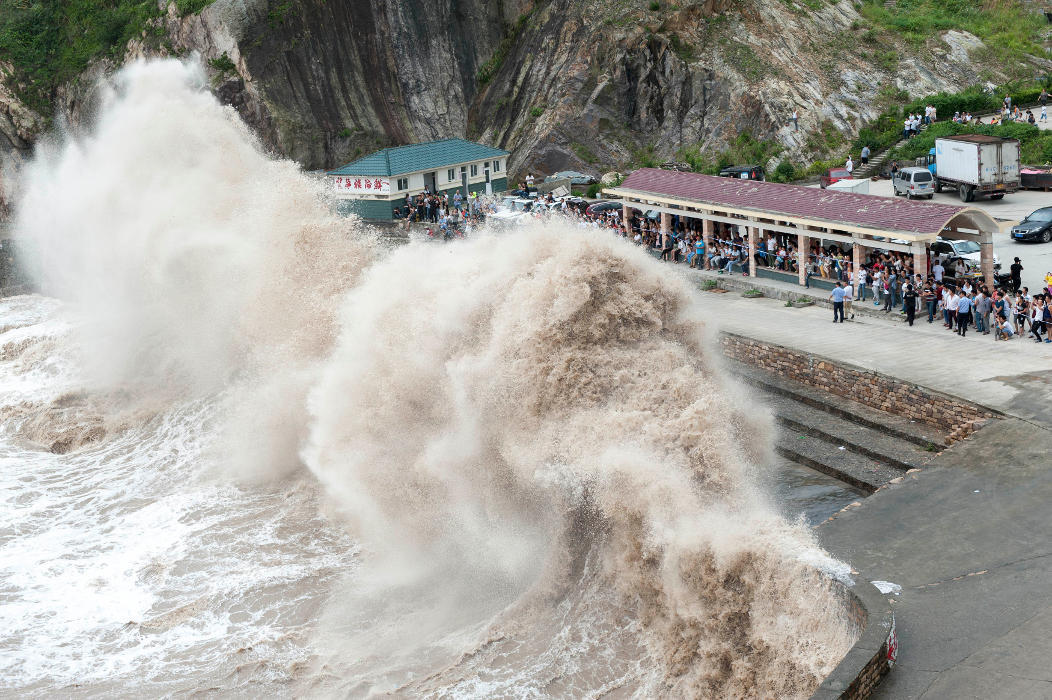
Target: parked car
{"points": [[605, 205], [968, 250], [914, 182], [573, 176], [577, 203], [1037, 226], [744, 172], [833, 175]]}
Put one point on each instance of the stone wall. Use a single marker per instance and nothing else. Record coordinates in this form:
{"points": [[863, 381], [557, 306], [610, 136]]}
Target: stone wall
{"points": [[871, 658], [949, 414]]}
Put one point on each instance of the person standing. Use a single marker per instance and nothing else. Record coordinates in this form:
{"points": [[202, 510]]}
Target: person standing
{"points": [[930, 298], [937, 270], [865, 155], [849, 166], [1017, 273], [849, 296], [911, 304], [1044, 113], [796, 120], [837, 295], [964, 314], [949, 307], [1037, 319], [889, 296], [860, 283]]}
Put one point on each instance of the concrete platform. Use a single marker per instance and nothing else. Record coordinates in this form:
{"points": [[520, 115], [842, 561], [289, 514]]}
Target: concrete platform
{"points": [[1013, 377], [970, 542], [969, 537]]}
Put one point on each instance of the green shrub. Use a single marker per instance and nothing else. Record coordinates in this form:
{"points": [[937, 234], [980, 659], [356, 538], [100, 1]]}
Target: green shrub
{"points": [[223, 64], [49, 42], [583, 153], [744, 150], [537, 112], [783, 172], [655, 6], [191, 7], [489, 68], [593, 190]]}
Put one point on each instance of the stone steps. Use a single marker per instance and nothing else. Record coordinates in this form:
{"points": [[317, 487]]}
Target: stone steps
{"points": [[800, 419], [853, 443], [858, 471], [885, 425]]}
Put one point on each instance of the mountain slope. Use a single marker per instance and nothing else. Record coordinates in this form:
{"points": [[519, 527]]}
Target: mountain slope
{"points": [[585, 84]]}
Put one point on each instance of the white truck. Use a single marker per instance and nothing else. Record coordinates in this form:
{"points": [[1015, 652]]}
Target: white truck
{"points": [[975, 165]]}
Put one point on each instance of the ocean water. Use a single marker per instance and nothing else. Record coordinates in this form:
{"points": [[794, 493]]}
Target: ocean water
{"points": [[247, 452]]}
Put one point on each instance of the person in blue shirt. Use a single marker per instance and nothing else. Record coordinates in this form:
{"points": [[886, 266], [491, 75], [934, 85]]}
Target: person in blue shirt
{"points": [[964, 313], [837, 295]]}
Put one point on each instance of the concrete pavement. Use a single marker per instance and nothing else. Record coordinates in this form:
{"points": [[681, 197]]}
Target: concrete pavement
{"points": [[1013, 377], [970, 542], [969, 537]]}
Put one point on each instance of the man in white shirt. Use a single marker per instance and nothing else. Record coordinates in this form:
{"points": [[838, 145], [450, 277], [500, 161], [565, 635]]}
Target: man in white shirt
{"points": [[849, 166], [849, 296], [937, 270], [951, 309], [861, 285]]}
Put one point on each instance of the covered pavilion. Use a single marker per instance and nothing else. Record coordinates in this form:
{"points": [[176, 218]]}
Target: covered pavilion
{"points": [[861, 220]]}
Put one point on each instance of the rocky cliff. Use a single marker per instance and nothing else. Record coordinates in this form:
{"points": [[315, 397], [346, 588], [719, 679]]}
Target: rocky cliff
{"points": [[582, 84]]}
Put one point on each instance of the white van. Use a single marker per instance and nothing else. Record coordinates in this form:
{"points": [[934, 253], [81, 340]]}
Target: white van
{"points": [[914, 182]]}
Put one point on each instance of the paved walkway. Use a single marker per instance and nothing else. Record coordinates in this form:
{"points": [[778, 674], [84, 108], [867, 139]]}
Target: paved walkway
{"points": [[1014, 377], [969, 538]]}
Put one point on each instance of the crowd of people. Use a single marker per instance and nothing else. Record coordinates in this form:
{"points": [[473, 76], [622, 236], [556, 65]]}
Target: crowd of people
{"points": [[1004, 314], [886, 277], [453, 216]]}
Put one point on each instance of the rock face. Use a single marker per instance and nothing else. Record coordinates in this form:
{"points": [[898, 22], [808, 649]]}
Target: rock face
{"points": [[572, 84]]}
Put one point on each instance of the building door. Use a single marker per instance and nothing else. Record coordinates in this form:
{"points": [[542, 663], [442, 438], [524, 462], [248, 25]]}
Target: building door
{"points": [[464, 181], [429, 182], [489, 183]]}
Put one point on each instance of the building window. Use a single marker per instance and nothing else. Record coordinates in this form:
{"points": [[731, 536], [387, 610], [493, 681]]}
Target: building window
{"points": [[474, 170], [451, 175], [496, 166], [403, 183]]}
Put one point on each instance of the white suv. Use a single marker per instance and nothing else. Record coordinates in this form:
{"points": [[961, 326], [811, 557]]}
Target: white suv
{"points": [[969, 250]]}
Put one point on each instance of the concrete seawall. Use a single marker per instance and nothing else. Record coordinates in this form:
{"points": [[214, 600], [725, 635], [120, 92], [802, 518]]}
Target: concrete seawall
{"points": [[873, 655]]}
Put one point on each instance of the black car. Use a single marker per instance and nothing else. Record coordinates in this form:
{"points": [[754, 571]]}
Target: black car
{"points": [[744, 172], [1035, 227], [605, 205]]}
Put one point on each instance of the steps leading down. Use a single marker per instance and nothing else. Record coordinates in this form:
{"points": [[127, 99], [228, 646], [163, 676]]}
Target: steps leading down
{"points": [[859, 445]]}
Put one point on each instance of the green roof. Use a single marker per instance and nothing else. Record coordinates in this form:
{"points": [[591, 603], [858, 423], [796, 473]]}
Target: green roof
{"points": [[419, 156]]}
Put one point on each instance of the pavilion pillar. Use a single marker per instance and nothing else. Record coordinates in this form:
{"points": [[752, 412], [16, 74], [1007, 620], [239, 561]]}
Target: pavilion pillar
{"points": [[626, 219], [920, 259], [802, 244], [986, 257], [752, 250], [856, 259], [706, 237]]}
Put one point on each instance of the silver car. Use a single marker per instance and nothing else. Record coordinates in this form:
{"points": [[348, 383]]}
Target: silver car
{"points": [[914, 182]]}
